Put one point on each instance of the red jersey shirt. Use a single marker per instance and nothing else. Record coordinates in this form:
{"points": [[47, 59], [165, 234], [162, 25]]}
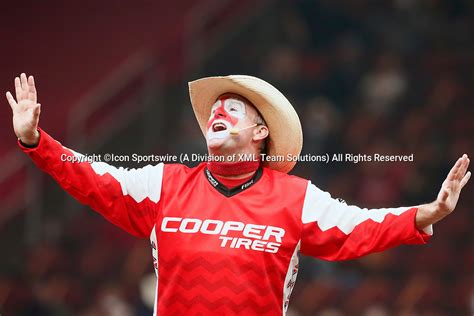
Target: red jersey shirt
{"points": [[220, 251]]}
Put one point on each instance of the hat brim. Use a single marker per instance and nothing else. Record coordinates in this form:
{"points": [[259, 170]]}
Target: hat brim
{"points": [[285, 133]]}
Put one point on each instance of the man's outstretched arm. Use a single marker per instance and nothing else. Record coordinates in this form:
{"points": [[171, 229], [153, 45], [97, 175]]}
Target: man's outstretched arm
{"points": [[127, 198], [333, 230]]}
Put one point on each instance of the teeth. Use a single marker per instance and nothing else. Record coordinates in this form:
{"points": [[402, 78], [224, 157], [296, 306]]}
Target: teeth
{"points": [[218, 126]]}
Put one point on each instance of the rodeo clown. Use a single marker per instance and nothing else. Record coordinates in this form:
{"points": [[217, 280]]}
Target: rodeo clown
{"points": [[226, 234]]}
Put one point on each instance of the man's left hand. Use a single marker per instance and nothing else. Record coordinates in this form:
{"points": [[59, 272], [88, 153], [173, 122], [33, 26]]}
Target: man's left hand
{"points": [[448, 195]]}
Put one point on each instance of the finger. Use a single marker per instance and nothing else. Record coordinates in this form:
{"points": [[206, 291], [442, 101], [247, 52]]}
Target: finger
{"points": [[24, 86], [31, 89], [462, 168], [36, 111], [11, 100], [18, 88], [465, 179], [452, 173], [31, 84], [24, 81]]}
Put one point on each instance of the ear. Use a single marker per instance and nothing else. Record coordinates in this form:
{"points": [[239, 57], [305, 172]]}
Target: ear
{"points": [[260, 133]]}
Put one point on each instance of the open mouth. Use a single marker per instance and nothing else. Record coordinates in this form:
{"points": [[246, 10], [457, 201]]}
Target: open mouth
{"points": [[218, 127]]}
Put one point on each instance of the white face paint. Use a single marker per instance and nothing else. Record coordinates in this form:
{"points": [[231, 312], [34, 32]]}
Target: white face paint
{"points": [[234, 107]]}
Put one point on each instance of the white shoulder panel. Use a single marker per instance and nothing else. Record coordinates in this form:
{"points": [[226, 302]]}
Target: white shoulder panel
{"points": [[320, 207], [137, 183]]}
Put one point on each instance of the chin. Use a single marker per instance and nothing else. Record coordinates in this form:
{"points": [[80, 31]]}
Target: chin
{"points": [[216, 144]]}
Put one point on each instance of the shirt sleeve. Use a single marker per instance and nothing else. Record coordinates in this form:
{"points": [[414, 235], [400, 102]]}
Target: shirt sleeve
{"points": [[127, 198], [333, 230]]}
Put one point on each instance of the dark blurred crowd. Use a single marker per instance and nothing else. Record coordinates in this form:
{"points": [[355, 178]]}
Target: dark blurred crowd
{"points": [[389, 77]]}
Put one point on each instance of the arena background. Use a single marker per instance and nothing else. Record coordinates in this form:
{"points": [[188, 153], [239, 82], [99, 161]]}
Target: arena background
{"points": [[393, 77]]}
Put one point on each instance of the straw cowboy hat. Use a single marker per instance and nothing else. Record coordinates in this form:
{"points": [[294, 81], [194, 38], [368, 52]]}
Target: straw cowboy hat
{"points": [[285, 136]]}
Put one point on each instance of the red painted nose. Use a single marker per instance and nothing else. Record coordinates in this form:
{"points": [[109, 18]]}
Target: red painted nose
{"points": [[220, 112]]}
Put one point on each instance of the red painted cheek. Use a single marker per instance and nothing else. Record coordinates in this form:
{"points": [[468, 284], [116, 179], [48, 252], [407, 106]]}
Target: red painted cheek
{"points": [[233, 120]]}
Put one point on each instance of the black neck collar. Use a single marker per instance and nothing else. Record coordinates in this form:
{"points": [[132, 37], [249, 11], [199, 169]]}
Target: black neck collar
{"points": [[228, 192]]}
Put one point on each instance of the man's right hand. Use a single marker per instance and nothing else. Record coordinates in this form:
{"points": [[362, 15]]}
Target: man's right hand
{"points": [[26, 110]]}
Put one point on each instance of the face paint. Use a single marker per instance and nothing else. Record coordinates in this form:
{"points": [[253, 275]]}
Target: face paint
{"points": [[235, 108], [226, 111]]}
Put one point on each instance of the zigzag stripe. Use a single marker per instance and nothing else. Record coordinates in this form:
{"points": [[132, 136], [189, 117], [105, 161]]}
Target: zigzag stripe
{"points": [[213, 286], [178, 300], [249, 277], [220, 266]]}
